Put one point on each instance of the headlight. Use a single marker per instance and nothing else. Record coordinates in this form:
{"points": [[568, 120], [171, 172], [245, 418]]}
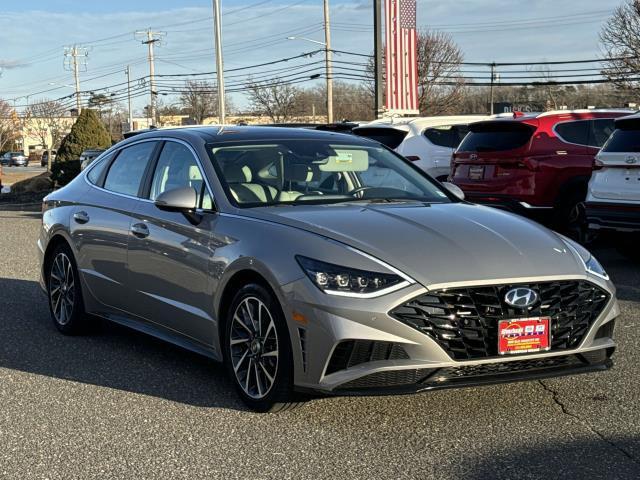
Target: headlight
{"points": [[349, 282], [593, 267]]}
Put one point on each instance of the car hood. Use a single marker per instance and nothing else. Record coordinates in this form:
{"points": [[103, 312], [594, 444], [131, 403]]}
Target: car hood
{"points": [[439, 243]]}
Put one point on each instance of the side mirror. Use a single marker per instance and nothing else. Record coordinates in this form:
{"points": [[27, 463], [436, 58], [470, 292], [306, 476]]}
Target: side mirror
{"points": [[177, 200], [454, 189]]}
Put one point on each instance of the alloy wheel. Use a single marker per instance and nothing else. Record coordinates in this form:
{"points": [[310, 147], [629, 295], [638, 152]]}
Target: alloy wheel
{"points": [[62, 288], [254, 347]]}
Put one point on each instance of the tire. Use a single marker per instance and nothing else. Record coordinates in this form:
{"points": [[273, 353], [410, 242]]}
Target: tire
{"points": [[569, 215], [263, 380], [64, 292], [628, 245]]}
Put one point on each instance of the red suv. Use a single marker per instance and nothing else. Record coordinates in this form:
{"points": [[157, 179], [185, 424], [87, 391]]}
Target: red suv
{"points": [[533, 163]]}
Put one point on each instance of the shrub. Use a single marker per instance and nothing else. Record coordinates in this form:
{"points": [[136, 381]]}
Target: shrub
{"points": [[87, 132]]}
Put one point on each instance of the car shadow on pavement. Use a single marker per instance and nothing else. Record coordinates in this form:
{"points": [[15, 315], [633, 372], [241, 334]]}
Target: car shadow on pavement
{"points": [[110, 356], [571, 459]]}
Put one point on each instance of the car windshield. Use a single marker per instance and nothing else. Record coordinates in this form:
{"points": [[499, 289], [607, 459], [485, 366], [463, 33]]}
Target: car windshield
{"points": [[285, 172]]}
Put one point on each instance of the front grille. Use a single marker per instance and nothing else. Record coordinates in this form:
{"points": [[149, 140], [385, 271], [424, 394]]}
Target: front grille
{"points": [[354, 352], [464, 321]]}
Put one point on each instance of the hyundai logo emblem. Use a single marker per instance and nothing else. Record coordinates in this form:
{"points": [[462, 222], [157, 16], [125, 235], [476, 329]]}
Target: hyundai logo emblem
{"points": [[473, 156], [521, 297], [631, 160]]}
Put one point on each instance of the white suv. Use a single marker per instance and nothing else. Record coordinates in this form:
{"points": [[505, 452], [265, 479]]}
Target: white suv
{"points": [[427, 141], [613, 199]]}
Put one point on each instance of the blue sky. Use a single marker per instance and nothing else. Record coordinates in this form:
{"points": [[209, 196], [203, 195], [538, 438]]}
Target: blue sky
{"points": [[34, 32]]}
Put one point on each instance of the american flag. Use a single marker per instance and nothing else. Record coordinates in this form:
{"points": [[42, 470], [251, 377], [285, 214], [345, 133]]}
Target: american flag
{"points": [[400, 51]]}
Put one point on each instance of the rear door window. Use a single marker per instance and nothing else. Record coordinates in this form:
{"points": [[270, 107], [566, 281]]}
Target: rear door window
{"points": [[600, 132], [574, 132], [441, 136], [390, 137], [95, 174], [623, 141], [127, 170], [496, 137]]}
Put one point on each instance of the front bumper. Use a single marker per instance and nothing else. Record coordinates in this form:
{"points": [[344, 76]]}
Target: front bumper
{"points": [[612, 216], [399, 359]]}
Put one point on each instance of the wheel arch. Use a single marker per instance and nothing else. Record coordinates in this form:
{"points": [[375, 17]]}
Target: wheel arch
{"points": [[55, 241], [241, 276]]}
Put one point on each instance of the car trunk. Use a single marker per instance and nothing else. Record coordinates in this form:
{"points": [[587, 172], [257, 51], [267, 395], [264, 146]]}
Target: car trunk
{"points": [[618, 166]]}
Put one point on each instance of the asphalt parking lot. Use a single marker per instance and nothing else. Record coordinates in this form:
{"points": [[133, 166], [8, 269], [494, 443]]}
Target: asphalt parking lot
{"points": [[118, 404]]}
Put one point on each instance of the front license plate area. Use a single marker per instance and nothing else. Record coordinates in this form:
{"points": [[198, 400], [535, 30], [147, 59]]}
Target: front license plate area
{"points": [[524, 335], [476, 173]]}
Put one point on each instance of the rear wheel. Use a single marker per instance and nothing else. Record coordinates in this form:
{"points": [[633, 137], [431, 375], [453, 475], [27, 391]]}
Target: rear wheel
{"points": [[63, 287], [569, 215], [258, 350]]}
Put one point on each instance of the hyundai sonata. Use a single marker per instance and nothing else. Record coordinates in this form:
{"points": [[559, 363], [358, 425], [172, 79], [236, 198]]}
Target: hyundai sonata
{"points": [[317, 263]]}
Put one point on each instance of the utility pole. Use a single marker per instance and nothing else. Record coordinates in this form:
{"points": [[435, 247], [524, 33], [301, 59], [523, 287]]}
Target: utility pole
{"points": [[493, 77], [328, 60], [377, 66], [150, 38], [130, 116], [75, 59], [217, 26]]}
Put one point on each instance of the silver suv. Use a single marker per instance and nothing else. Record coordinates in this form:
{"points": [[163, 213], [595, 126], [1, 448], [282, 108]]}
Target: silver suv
{"points": [[282, 253]]}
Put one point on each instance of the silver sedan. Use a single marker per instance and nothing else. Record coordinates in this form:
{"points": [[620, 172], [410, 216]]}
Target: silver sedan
{"points": [[317, 263]]}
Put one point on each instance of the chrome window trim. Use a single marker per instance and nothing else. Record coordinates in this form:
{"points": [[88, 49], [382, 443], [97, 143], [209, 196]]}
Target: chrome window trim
{"points": [[154, 139]]}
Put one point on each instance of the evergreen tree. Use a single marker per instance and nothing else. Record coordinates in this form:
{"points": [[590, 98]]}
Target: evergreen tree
{"points": [[87, 132]]}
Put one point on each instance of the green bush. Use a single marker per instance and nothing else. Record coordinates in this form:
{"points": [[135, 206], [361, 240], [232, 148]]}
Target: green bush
{"points": [[63, 172], [87, 132]]}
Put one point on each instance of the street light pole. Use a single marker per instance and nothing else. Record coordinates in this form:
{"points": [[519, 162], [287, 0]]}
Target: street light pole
{"points": [[328, 60], [130, 119], [219, 62]]}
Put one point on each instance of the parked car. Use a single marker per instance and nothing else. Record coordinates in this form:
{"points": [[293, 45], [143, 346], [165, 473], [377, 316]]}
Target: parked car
{"points": [[535, 164], [16, 159], [268, 249], [426, 141], [44, 160], [4, 159], [89, 156], [613, 198]]}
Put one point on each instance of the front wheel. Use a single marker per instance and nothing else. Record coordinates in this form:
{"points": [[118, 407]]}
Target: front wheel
{"points": [[258, 351]]}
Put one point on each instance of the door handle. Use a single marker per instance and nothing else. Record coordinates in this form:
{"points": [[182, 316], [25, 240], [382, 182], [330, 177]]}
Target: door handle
{"points": [[81, 217], [140, 230]]}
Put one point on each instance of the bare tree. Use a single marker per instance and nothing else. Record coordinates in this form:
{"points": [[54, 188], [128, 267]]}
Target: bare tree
{"points": [[352, 101], [620, 38], [9, 125], [275, 98], [440, 86], [199, 100], [46, 121]]}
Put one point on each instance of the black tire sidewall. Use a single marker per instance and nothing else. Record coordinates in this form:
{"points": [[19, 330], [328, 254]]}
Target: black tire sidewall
{"points": [[281, 391], [76, 324]]}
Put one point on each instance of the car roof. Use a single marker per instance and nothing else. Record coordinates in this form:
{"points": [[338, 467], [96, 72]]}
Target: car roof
{"points": [[420, 122], [629, 122], [234, 133]]}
